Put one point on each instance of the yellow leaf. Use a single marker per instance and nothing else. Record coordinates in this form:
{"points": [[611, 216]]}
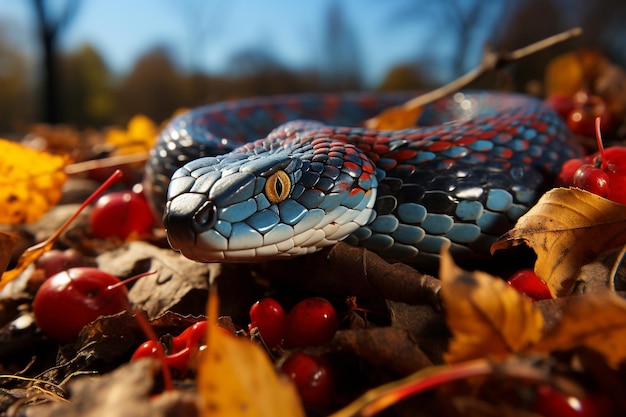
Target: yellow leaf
{"points": [[487, 317], [139, 136], [564, 75], [236, 378], [395, 118], [596, 321], [31, 182], [567, 229]]}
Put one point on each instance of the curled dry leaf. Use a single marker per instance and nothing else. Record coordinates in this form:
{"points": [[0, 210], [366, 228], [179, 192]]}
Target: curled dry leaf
{"points": [[567, 228], [596, 321], [236, 378], [8, 240], [486, 316], [31, 182]]}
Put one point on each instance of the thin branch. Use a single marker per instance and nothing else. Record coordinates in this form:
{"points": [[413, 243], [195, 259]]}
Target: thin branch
{"points": [[491, 60]]}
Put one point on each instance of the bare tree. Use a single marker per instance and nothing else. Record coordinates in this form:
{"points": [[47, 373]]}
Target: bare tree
{"points": [[341, 65], [468, 24], [50, 25]]}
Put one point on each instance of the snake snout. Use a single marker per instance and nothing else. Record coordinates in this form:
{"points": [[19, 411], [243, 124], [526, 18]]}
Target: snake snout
{"points": [[186, 216]]}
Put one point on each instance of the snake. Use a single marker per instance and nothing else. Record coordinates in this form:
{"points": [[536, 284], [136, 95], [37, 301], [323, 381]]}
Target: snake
{"points": [[257, 179]]}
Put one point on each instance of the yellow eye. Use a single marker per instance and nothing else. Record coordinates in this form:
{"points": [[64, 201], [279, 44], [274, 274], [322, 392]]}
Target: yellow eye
{"points": [[277, 187]]}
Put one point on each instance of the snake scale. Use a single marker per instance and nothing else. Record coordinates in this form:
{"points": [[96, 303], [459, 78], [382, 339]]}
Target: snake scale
{"points": [[265, 178]]}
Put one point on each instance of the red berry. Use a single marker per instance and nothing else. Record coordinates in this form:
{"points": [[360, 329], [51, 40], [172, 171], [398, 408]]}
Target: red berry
{"points": [[147, 350], [529, 284], [71, 299], [269, 317], [616, 155], [592, 179], [550, 402], [56, 260], [566, 175], [178, 360], [562, 104], [191, 337], [311, 322], [120, 214], [183, 346], [581, 120], [313, 377]]}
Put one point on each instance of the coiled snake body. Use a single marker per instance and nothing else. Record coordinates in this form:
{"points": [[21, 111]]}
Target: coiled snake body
{"points": [[478, 161]]}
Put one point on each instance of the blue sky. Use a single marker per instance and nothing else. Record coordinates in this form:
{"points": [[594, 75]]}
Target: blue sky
{"points": [[208, 33]]}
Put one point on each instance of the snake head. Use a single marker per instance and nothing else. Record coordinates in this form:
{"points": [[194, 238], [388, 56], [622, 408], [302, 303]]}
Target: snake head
{"points": [[247, 206]]}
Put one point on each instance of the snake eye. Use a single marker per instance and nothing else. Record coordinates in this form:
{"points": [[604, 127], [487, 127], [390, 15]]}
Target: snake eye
{"points": [[277, 187]]}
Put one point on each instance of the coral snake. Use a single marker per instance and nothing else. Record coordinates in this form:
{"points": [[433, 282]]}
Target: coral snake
{"points": [[273, 177]]}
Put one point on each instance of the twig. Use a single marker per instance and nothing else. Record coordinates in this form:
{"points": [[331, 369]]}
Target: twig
{"points": [[111, 161], [490, 61]]}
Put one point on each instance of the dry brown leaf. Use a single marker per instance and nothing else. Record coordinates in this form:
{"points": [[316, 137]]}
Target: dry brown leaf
{"points": [[596, 321], [8, 240], [31, 182], [236, 378], [487, 317], [567, 228]]}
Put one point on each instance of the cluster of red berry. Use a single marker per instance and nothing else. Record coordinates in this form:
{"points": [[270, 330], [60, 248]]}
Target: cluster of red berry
{"points": [[311, 322], [178, 354], [581, 110], [602, 173]]}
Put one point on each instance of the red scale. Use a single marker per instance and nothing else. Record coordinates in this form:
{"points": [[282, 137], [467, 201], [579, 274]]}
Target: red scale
{"points": [[402, 155], [466, 140], [387, 164], [380, 148], [506, 153], [349, 165], [439, 146], [367, 166], [488, 134]]}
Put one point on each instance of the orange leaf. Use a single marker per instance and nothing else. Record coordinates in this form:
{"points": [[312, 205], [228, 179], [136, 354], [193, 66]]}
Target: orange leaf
{"points": [[236, 378], [31, 182], [395, 118], [596, 321], [487, 317], [567, 228]]}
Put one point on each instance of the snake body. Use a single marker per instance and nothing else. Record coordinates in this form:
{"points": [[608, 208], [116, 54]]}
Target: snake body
{"points": [[297, 173]]}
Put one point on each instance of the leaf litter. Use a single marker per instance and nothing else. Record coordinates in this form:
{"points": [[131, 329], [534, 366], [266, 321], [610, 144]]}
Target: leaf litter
{"points": [[461, 344]]}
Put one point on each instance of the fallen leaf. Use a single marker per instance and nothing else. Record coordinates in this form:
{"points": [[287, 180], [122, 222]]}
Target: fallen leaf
{"points": [[123, 392], [596, 321], [139, 136], [567, 228], [346, 269], [236, 377], [487, 317], [31, 182], [179, 284], [389, 347], [8, 240], [395, 118]]}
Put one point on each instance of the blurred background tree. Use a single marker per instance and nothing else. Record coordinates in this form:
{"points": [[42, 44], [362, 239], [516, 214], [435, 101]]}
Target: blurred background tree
{"points": [[55, 84]]}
